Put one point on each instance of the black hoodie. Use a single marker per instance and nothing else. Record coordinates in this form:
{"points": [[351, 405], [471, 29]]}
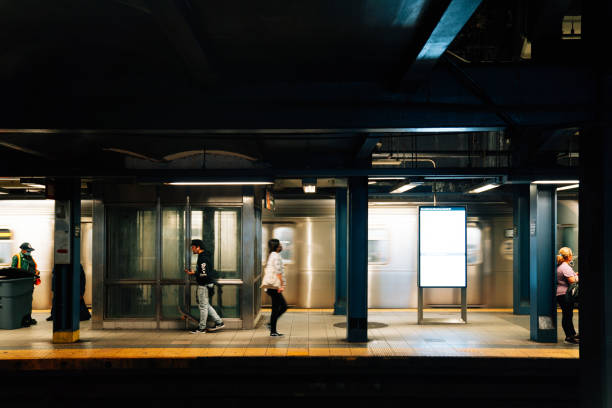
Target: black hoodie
{"points": [[203, 271]]}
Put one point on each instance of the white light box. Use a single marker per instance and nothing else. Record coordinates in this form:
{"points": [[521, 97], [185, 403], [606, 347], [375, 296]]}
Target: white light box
{"points": [[442, 247]]}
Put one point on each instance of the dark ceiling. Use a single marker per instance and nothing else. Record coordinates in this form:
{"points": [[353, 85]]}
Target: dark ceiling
{"points": [[105, 86]]}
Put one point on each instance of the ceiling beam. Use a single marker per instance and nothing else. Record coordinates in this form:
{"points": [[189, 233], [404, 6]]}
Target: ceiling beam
{"points": [[25, 150], [175, 24], [478, 91], [367, 147], [450, 24]]}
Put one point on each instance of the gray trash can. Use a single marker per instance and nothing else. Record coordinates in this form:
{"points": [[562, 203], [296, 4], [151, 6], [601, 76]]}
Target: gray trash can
{"points": [[15, 301]]}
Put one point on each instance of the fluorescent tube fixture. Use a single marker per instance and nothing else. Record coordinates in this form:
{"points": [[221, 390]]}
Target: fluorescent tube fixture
{"points": [[219, 183], [35, 185], [486, 187], [556, 182], [570, 187], [406, 186]]}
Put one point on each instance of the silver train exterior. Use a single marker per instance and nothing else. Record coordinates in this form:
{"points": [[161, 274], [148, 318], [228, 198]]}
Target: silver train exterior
{"points": [[33, 221], [307, 230]]}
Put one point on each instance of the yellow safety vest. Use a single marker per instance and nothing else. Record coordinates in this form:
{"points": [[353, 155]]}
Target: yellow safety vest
{"points": [[18, 255]]}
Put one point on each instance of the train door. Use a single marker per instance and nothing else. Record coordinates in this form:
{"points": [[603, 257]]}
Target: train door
{"points": [[285, 232], [474, 263]]}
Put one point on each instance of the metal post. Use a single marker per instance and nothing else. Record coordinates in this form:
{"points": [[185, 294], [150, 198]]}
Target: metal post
{"points": [[464, 304], [67, 261], [158, 263], [341, 250], [420, 306], [187, 260], [247, 304], [357, 288], [520, 259], [542, 234]]}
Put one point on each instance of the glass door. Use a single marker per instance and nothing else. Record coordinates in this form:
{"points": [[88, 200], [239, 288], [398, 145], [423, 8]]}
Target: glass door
{"points": [[220, 230], [173, 260], [148, 250]]}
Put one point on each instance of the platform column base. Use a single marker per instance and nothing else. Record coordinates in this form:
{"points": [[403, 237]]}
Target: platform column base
{"points": [[66, 336]]}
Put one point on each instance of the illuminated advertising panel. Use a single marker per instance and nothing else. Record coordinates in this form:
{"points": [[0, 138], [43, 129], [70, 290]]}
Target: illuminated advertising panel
{"points": [[442, 247]]}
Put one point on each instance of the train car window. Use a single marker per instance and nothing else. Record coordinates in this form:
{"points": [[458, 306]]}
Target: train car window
{"points": [[285, 235], [474, 246], [6, 242], [378, 246]]}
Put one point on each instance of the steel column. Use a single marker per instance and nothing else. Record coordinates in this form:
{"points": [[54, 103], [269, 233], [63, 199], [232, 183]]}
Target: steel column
{"points": [[67, 261], [357, 288], [341, 250], [247, 295], [520, 259], [542, 265]]}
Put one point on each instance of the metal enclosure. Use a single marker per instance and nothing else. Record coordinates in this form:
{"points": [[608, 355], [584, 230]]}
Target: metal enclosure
{"points": [[166, 223]]}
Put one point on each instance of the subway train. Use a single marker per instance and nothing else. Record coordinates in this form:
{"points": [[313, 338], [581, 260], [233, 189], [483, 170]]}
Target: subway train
{"points": [[306, 229], [33, 221]]}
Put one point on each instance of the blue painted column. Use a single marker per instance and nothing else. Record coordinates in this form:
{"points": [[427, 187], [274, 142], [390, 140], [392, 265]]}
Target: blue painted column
{"points": [[357, 289], [67, 261], [341, 250], [542, 262], [520, 259]]}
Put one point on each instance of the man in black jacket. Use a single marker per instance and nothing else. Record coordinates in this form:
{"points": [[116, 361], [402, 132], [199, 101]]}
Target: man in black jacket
{"points": [[203, 272]]}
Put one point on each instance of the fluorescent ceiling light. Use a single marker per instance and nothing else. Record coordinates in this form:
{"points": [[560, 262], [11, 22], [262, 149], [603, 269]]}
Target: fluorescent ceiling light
{"points": [[556, 182], [485, 187], [386, 162], [570, 187], [406, 187], [386, 178], [219, 183], [3, 192], [35, 185]]}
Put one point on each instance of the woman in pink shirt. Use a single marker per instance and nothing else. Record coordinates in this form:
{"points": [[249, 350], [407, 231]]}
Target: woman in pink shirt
{"points": [[565, 276]]}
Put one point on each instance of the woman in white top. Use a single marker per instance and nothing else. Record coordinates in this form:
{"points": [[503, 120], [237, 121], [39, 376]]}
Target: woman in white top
{"points": [[274, 282], [566, 276]]}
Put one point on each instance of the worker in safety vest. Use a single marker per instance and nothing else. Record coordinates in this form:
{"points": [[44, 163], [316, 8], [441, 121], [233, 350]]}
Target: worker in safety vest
{"points": [[24, 261]]}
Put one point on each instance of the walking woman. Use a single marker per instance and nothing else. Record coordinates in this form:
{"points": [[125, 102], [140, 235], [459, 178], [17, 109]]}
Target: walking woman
{"points": [[565, 276], [274, 282]]}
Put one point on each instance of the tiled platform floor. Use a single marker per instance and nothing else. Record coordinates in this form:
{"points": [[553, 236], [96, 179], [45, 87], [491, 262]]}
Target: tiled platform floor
{"points": [[308, 333]]}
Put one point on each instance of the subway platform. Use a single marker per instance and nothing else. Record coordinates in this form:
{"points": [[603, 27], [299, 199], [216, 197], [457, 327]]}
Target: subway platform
{"points": [[489, 362], [308, 333]]}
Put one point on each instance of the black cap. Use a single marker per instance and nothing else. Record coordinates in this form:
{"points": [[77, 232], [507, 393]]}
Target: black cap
{"points": [[26, 246]]}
